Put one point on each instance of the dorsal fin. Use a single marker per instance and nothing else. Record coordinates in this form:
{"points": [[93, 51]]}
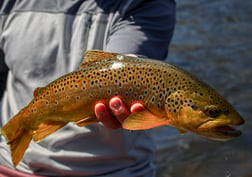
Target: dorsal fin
{"points": [[37, 91], [95, 55]]}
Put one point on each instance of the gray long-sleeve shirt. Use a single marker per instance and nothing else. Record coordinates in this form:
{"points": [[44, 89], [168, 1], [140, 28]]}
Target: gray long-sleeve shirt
{"points": [[42, 40]]}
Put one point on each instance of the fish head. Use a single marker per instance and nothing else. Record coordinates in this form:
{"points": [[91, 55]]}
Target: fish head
{"points": [[204, 112]]}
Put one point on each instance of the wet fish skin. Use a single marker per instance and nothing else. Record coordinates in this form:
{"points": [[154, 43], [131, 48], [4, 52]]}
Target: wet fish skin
{"points": [[171, 96]]}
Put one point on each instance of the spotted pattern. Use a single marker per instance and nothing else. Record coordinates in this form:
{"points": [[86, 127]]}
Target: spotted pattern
{"points": [[156, 84]]}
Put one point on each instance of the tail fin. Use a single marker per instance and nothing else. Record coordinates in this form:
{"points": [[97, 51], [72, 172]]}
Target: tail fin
{"points": [[17, 137]]}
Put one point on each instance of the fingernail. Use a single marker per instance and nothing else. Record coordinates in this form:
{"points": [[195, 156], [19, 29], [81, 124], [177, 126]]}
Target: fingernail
{"points": [[116, 104], [99, 107]]}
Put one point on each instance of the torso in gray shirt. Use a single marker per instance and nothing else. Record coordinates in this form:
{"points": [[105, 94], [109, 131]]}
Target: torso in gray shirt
{"points": [[43, 40]]}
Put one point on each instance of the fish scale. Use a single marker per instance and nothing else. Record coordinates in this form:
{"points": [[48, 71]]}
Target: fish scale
{"points": [[170, 96], [90, 85]]}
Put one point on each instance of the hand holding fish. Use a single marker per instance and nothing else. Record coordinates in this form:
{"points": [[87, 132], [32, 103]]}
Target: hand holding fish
{"points": [[118, 109]]}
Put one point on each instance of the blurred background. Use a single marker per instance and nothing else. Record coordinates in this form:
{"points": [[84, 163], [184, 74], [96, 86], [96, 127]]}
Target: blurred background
{"points": [[212, 40]]}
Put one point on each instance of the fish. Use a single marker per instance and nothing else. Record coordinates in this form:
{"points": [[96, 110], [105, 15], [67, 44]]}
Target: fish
{"points": [[170, 96]]}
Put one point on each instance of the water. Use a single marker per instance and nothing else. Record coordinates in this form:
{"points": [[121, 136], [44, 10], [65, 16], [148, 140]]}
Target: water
{"points": [[213, 40]]}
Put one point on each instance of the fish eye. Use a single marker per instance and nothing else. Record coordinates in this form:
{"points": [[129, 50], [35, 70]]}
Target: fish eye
{"points": [[212, 111]]}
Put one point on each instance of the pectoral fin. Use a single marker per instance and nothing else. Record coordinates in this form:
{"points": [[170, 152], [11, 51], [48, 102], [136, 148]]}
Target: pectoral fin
{"points": [[46, 129], [143, 120]]}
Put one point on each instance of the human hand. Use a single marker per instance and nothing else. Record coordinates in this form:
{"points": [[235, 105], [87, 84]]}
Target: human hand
{"points": [[118, 112]]}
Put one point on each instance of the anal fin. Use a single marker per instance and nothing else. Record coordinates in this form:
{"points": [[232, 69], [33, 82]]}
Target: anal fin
{"points": [[46, 129], [86, 121], [143, 120]]}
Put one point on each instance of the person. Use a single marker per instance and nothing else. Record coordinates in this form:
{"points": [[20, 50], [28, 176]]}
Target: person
{"points": [[42, 40]]}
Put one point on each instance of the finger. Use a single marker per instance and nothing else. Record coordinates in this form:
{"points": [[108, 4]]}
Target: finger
{"points": [[103, 115], [119, 109], [136, 107]]}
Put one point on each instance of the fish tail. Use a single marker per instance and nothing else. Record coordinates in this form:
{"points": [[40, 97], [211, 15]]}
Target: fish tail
{"points": [[17, 137]]}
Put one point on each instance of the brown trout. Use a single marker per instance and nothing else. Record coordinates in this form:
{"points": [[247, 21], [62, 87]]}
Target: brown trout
{"points": [[171, 96]]}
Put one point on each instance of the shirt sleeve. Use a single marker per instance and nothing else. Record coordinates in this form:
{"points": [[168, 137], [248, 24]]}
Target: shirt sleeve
{"points": [[144, 29], [3, 73], [3, 66]]}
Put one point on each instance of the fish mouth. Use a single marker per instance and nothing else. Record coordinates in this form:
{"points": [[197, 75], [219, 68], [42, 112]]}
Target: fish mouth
{"points": [[221, 132], [230, 128], [227, 130]]}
